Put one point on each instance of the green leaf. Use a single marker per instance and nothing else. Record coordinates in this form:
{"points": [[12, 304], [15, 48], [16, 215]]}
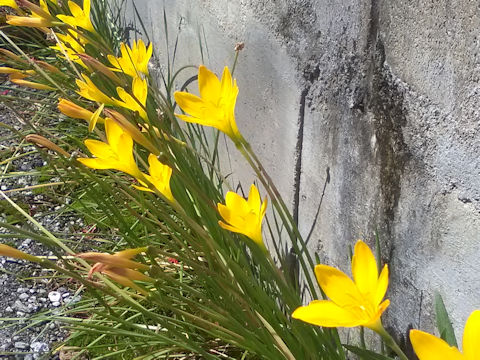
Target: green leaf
{"points": [[444, 325], [366, 354]]}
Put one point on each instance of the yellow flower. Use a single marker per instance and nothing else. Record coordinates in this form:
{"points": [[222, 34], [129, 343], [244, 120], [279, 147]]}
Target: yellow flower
{"points": [[71, 46], [352, 303], [31, 84], [116, 154], [159, 177], [90, 91], [429, 347], [132, 61], [216, 105], [9, 3], [72, 110], [40, 15], [80, 17], [138, 101], [28, 21], [244, 216]]}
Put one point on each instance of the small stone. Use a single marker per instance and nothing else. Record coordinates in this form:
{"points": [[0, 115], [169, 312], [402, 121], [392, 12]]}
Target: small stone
{"points": [[26, 242], [8, 309], [65, 295], [54, 296], [56, 303], [39, 347], [20, 314], [23, 296], [4, 187], [21, 290], [21, 345], [32, 291], [19, 306], [42, 299]]}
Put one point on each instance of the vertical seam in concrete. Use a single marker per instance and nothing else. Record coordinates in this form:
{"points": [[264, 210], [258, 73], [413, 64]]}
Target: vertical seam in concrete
{"points": [[298, 155], [371, 48]]}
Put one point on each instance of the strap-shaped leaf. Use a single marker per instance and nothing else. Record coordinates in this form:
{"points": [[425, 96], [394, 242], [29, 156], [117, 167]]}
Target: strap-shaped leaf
{"points": [[444, 325]]}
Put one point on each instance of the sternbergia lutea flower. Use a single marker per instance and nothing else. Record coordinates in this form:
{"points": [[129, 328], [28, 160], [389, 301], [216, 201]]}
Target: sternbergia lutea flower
{"points": [[244, 216], [132, 61], [80, 17], [159, 177], [430, 347], [215, 106], [352, 303], [40, 16], [138, 101], [116, 154], [90, 91]]}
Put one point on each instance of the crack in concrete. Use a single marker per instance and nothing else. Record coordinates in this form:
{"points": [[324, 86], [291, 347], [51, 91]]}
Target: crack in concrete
{"points": [[298, 154]]}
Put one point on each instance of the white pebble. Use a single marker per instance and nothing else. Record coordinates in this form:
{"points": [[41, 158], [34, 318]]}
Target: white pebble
{"points": [[54, 296]]}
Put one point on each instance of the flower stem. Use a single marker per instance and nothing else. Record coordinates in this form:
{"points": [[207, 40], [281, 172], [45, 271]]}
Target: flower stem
{"points": [[389, 341]]}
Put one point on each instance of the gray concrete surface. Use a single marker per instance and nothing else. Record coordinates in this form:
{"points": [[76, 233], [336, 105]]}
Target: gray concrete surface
{"points": [[375, 102]]}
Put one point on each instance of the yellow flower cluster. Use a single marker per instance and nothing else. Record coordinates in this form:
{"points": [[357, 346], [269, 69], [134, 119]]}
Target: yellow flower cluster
{"points": [[352, 302]]}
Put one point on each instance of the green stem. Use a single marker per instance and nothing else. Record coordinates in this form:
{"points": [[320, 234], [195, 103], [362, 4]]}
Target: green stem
{"points": [[389, 340]]}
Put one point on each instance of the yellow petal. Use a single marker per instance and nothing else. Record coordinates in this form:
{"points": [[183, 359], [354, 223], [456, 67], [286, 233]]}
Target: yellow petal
{"points": [[224, 212], [326, 313], [140, 90], [471, 337], [86, 7], [263, 209], [95, 163], [9, 3], [364, 269], [114, 132], [226, 85], [100, 149], [208, 85], [190, 104], [429, 347], [236, 203], [75, 9], [254, 199], [338, 286], [374, 321], [94, 118], [382, 285], [228, 227]]}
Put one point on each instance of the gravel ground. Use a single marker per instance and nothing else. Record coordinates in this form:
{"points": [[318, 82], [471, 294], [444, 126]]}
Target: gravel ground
{"points": [[22, 299]]}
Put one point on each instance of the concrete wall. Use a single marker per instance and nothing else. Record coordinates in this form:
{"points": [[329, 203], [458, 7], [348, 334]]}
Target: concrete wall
{"points": [[376, 102]]}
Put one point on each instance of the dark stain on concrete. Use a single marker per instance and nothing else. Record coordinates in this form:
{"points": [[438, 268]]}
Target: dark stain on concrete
{"points": [[386, 104]]}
